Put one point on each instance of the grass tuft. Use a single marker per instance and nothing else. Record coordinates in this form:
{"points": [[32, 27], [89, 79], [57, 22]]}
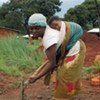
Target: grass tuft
{"points": [[17, 55]]}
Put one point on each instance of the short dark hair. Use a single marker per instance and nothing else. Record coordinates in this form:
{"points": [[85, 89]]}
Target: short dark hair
{"points": [[52, 19]]}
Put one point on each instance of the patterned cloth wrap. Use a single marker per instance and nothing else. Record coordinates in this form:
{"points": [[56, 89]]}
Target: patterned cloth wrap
{"points": [[68, 74]]}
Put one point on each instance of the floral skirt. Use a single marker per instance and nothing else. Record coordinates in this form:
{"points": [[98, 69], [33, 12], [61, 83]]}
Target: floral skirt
{"points": [[68, 76]]}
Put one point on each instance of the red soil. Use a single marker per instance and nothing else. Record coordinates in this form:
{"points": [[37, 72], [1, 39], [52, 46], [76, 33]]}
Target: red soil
{"points": [[9, 85]]}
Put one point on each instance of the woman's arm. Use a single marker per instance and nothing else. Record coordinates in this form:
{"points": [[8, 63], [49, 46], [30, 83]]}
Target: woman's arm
{"points": [[51, 56]]}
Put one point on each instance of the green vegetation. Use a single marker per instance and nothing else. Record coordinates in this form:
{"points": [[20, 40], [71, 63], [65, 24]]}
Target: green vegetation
{"points": [[95, 67], [15, 13], [85, 14], [88, 71], [16, 55]]}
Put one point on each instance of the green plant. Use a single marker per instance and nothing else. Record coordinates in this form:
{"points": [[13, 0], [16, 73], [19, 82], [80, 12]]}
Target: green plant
{"points": [[17, 55], [88, 71]]}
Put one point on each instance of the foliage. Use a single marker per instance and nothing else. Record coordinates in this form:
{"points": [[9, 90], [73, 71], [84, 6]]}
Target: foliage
{"points": [[85, 14], [13, 14], [94, 67], [97, 65], [89, 71], [17, 55]]}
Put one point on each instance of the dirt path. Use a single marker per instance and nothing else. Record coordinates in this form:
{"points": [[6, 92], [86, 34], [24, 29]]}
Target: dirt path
{"points": [[38, 91]]}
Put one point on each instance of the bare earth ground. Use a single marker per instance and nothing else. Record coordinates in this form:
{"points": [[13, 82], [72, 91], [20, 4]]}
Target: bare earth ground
{"points": [[9, 89]]}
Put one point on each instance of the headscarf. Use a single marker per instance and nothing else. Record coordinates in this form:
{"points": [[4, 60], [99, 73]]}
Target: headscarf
{"points": [[37, 19]]}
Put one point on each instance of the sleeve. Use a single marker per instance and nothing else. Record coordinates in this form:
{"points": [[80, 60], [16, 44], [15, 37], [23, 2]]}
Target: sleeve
{"points": [[51, 37]]}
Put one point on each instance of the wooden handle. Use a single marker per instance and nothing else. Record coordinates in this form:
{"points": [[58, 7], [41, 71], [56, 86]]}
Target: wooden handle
{"points": [[40, 68]]}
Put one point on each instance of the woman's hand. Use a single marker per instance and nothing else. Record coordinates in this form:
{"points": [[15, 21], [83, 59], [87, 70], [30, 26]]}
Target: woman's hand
{"points": [[32, 79]]}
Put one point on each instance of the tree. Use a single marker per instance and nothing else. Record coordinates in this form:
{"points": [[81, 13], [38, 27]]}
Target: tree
{"points": [[84, 14], [15, 13]]}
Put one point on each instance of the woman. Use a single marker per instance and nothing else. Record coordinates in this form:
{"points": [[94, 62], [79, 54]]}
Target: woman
{"points": [[69, 72], [64, 51]]}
